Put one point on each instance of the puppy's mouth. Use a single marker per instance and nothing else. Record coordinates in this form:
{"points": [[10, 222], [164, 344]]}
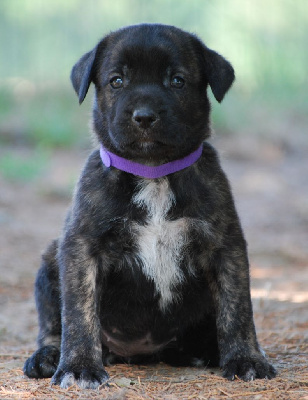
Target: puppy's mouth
{"points": [[150, 152], [147, 145]]}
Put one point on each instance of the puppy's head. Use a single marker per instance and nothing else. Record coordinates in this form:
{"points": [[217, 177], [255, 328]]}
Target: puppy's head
{"points": [[151, 103]]}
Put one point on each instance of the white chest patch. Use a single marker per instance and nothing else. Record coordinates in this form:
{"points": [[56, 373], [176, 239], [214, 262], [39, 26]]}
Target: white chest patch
{"points": [[160, 241]]}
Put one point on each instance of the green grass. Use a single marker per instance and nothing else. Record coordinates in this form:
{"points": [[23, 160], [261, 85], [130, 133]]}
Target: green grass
{"points": [[45, 117], [20, 167]]}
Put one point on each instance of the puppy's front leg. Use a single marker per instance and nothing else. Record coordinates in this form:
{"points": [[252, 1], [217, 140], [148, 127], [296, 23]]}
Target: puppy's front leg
{"points": [[81, 348], [240, 354]]}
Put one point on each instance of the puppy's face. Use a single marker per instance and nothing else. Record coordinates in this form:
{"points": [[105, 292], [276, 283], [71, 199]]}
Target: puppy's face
{"points": [[151, 103]]}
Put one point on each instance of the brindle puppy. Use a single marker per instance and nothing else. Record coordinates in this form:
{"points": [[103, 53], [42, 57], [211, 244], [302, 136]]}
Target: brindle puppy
{"points": [[148, 268]]}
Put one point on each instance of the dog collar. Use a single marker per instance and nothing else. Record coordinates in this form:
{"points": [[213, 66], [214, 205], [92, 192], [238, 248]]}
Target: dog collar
{"points": [[112, 160]]}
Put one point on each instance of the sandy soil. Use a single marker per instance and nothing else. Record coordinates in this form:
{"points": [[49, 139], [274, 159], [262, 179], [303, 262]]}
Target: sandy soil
{"points": [[270, 184]]}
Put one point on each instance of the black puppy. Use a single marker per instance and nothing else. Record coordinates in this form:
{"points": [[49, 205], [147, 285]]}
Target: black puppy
{"points": [[152, 262]]}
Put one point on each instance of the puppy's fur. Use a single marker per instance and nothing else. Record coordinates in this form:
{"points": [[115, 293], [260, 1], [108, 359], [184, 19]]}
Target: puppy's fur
{"points": [[148, 269]]}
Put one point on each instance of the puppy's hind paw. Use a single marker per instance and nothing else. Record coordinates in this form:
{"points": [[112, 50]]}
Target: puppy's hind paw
{"points": [[86, 378], [43, 363], [248, 369]]}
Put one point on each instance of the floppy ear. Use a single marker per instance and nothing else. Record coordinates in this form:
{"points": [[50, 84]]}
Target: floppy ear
{"points": [[220, 73], [81, 75]]}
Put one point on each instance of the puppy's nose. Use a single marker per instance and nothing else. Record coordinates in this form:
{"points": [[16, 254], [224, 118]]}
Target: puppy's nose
{"points": [[144, 118]]}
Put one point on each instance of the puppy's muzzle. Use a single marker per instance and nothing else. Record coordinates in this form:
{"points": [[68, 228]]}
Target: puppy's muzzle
{"points": [[144, 118]]}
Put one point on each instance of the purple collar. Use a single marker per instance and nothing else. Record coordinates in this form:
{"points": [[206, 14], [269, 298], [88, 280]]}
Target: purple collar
{"points": [[111, 159]]}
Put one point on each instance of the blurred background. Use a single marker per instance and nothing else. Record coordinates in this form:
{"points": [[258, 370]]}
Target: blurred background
{"points": [[261, 130], [265, 40]]}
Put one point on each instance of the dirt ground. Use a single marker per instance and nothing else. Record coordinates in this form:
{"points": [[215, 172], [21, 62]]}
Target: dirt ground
{"points": [[270, 184]]}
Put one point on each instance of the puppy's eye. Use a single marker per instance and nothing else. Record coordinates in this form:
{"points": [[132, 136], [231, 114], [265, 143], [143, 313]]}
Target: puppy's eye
{"points": [[116, 82], [177, 82]]}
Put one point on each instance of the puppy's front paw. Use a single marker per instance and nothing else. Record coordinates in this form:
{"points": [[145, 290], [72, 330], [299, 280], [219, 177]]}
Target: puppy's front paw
{"points": [[248, 369], [85, 378], [43, 363]]}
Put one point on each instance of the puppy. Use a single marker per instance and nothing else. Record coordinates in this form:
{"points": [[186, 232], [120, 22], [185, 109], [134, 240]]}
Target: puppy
{"points": [[152, 262]]}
